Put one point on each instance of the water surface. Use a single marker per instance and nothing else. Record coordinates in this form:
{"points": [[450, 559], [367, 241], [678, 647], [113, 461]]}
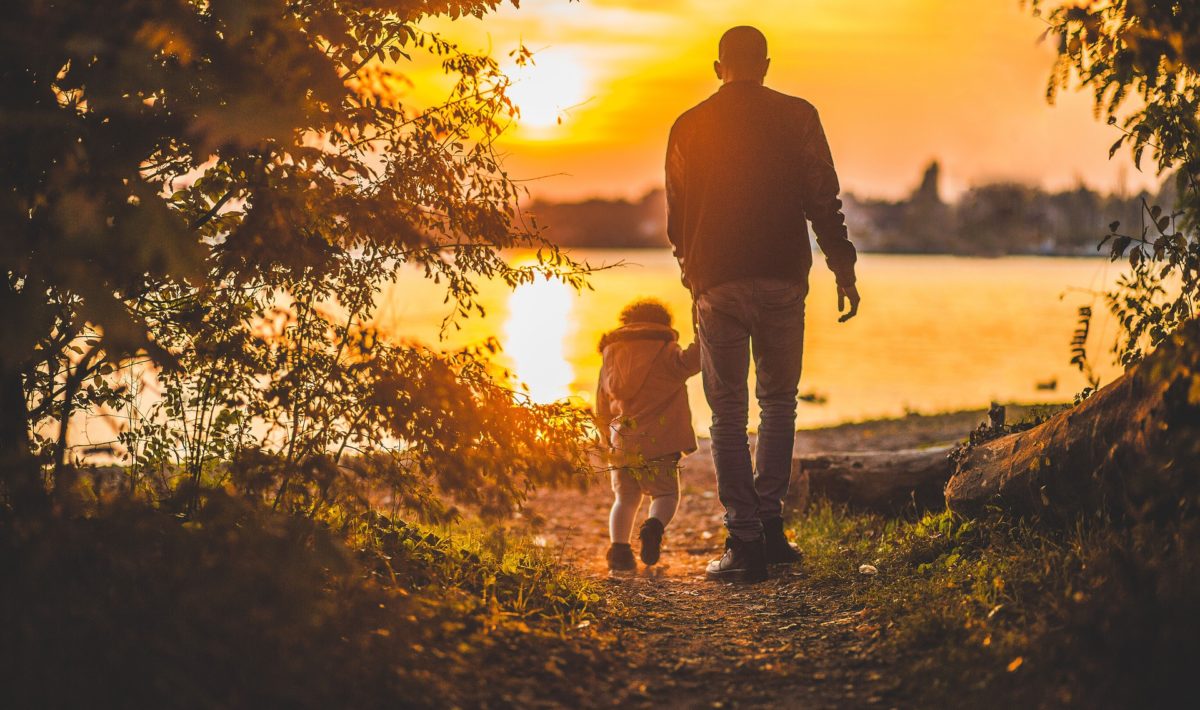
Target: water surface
{"points": [[934, 333]]}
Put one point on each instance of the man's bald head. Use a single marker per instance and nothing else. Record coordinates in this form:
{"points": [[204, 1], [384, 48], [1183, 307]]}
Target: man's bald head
{"points": [[742, 55]]}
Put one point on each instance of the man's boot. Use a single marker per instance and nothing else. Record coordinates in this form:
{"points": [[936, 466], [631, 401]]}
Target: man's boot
{"points": [[777, 549], [743, 561]]}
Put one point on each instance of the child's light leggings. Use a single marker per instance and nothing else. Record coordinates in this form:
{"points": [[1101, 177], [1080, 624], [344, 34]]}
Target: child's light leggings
{"points": [[657, 478]]}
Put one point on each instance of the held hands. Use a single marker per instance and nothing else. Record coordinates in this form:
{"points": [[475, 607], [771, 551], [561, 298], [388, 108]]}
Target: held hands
{"points": [[848, 293]]}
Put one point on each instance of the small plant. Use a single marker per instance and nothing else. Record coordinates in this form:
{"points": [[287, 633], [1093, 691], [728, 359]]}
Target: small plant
{"points": [[997, 427]]}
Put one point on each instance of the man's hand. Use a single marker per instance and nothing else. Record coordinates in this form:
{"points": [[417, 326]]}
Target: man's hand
{"points": [[848, 293]]}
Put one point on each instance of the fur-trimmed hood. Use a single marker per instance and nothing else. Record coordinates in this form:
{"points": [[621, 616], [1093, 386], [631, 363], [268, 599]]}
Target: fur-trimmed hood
{"points": [[638, 331], [631, 352]]}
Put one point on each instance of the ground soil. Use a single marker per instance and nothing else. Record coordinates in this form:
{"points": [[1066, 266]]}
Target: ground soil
{"points": [[687, 642]]}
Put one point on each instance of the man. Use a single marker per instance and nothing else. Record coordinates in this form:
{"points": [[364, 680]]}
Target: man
{"points": [[746, 169]]}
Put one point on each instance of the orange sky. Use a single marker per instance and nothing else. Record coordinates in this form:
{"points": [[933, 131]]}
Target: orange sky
{"points": [[897, 82]]}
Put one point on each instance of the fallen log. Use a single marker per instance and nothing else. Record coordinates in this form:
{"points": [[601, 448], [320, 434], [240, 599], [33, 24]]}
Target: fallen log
{"points": [[1132, 449], [883, 481]]}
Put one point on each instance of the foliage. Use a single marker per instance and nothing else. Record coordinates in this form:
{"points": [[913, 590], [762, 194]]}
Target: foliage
{"points": [[996, 613], [242, 607], [1079, 353], [1150, 50], [1161, 290], [203, 200], [310, 409]]}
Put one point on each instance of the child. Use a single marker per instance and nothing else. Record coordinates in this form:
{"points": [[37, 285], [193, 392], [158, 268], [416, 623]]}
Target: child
{"points": [[643, 416]]}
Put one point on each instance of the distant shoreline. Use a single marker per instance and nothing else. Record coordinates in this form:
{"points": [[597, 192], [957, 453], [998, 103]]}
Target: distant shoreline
{"points": [[912, 431], [1051, 255]]}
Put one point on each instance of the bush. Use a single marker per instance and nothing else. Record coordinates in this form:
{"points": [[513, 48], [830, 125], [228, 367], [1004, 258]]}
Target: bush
{"points": [[239, 606]]}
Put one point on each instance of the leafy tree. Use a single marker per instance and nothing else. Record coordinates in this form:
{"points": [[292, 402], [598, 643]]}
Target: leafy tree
{"points": [[215, 190], [990, 215], [1147, 51]]}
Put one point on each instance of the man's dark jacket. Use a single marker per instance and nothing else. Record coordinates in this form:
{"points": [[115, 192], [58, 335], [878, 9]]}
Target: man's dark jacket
{"points": [[745, 169]]}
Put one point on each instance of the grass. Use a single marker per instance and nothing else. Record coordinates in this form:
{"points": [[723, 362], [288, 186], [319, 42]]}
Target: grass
{"points": [[237, 606], [130, 605], [1002, 613], [509, 579]]}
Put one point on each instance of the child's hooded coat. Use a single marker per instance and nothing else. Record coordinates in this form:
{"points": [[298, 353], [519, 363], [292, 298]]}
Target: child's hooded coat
{"points": [[641, 400]]}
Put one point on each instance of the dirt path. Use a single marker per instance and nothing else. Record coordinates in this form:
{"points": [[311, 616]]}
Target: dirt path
{"points": [[693, 643], [702, 644]]}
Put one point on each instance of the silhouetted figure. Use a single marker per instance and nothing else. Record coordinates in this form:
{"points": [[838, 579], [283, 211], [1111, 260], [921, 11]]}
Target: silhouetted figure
{"points": [[746, 169]]}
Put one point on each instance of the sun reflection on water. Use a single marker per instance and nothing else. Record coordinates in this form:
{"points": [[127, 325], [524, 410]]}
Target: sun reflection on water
{"points": [[535, 337]]}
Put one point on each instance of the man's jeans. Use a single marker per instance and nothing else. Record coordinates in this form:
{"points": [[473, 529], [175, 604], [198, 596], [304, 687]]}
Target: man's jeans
{"points": [[764, 317]]}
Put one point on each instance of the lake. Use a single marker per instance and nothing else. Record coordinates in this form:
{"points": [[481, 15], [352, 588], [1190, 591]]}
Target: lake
{"points": [[934, 333]]}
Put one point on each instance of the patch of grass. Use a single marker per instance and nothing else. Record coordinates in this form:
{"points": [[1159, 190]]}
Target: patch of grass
{"points": [[508, 578], [1004, 613], [241, 607]]}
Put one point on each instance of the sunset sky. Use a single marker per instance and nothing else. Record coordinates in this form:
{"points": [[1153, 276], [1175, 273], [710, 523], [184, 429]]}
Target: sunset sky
{"points": [[897, 82]]}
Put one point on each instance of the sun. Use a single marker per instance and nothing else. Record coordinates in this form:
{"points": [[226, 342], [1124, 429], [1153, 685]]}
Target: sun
{"points": [[546, 90]]}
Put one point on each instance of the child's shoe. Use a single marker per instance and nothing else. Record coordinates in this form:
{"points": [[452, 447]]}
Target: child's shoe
{"points": [[620, 559], [651, 536]]}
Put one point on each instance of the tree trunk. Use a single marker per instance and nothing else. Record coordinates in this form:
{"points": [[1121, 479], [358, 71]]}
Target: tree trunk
{"points": [[18, 471], [883, 481], [20, 476], [1130, 450]]}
